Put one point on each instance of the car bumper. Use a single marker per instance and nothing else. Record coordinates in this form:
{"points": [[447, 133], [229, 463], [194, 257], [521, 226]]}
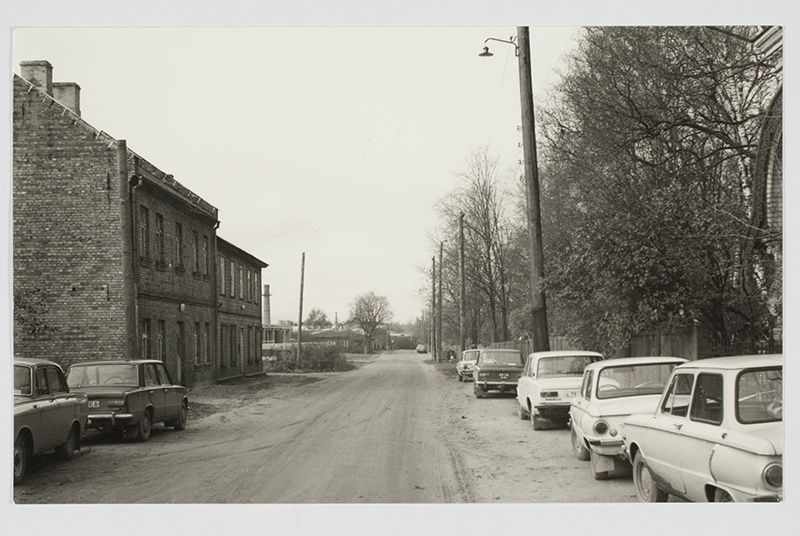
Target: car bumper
{"points": [[465, 373], [608, 447], [99, 420], [496, 386], [552, 411]]}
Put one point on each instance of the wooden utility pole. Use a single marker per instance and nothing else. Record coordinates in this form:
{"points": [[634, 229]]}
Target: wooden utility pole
{"points": [[541, 339], [462, 285], [300, 314], [439, 320], [433, 306]]}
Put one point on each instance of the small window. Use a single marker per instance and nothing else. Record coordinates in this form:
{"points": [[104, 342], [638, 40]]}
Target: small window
{"points": [[163, 375], [196, 344], [145, 346], [676, 401], [707, 400], [144, 232], [196, 241], [162, 340], [221, 282], [41, 382], [178, 245], [55, 382], [207, 342], [205, 254], [150, 376], [159, 238], [586, 388]]}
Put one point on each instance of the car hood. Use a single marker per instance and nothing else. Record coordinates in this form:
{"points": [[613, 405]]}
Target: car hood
{"points": [[560, 382], [103, 391]]}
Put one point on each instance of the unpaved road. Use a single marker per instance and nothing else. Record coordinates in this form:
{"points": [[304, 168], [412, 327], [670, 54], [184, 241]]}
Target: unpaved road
{"points": [[395, 430]]}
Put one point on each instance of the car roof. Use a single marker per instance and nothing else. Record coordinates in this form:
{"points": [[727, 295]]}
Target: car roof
{"points": [[628, 361], [509, 350], [737, 362], [117, 362], [33, 361], [565, 353]]}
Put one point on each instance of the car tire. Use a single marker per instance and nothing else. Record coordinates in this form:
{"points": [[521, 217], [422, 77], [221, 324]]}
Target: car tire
{"points": [[66, 450], [479, 392], [521, 412], [143, 430], [460, 378], [646, 488], [536, 423], [581, 452], [720, 495], [180, 423], [21, 455]]}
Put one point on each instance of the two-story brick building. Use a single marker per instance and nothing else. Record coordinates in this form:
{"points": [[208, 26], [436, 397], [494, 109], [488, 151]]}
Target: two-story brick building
{"points": [[113, 258]]}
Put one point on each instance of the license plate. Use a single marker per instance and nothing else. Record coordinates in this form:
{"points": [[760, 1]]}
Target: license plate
{"points": [[503, 376], [94, 403]]}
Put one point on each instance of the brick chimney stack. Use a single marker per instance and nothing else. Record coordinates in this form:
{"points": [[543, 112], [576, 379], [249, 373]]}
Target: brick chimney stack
{"points": [[68, 94], [39, 73]]}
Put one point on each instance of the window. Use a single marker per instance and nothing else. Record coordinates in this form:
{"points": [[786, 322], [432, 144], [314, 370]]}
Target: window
{"points": [[178, 245], [181, 344], [145, 347], [241, 282], [55, 381], [41, 382], [205, 254], [234, 347], [196, 240], [159, 238], [163, 376], [144, 232], [248, 287], [150, 375], [248, 351], [256, 288], [676, 402], [586, 388], [233, 280], [196, 343], [162, 340], [207, 341], [240, 343], [707, 400], [759, 395], [223, 345], [221, 282]]}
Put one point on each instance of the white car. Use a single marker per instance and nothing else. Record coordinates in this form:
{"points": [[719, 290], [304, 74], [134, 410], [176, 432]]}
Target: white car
{"points": [[715, 436], [549, 382], [466, 364], [612, 390]]}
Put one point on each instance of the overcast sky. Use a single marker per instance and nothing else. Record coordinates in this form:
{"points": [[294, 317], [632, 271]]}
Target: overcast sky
{"points": [[336, 142]]}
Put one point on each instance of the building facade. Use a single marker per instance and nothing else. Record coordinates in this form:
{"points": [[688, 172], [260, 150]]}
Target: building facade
{"points": [[113, 258]]}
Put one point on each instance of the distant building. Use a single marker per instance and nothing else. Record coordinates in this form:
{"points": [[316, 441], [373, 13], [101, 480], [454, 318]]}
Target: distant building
{"points": [[113, 258]]}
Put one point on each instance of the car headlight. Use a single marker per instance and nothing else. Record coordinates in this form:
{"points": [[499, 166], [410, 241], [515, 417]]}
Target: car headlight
{"points": [[773, 475], [600, 427]]}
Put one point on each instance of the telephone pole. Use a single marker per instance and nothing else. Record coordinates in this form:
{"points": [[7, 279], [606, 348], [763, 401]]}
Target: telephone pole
{"points": [[433, 307], [439, 320], [300, 314], [462, 285]]}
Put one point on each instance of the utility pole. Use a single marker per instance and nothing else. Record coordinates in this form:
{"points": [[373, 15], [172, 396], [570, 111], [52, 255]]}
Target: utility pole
{"points": [[541, 339], [462, 285], [300, 315], [439, 320], [433, 307]]}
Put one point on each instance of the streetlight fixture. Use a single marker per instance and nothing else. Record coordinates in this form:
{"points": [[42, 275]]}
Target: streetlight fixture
{"points": [[522, 49]]}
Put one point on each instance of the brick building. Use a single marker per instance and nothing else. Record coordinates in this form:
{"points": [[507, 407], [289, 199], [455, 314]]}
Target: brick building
{"points": [[113, 258], [239, 311]]}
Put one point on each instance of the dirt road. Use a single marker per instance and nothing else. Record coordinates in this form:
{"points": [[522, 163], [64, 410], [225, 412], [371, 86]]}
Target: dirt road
{"points": [[395, 430]]}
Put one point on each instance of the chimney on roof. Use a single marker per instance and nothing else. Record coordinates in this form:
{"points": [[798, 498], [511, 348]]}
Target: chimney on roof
{"points": [[265, 313], [68, 94], [39, 73]]}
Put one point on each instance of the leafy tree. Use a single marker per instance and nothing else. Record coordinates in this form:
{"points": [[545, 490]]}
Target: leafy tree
{"points": [[30, 311], [370, 311], [317, 319]]}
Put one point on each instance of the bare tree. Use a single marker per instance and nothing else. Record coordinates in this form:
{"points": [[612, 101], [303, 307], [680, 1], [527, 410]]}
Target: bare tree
{"points": [[370, 311], [317, 319]]}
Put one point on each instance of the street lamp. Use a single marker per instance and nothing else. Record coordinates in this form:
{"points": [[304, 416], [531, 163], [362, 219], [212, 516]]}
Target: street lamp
{"points": [[522, 49]]}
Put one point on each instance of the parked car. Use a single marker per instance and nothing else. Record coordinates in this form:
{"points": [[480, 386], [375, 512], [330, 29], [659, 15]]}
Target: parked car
{"points": [[421, 349], [612, 390], [130, 396], [466, 364], [549, 382], [46, 414], [716, 435], [496, 370]]}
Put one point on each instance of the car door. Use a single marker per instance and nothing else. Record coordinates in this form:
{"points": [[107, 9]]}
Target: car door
{"points": [[155, 393], [65, 402], [580, 405], [172, 393], [663, 447], [524, 383], [48, 406]]}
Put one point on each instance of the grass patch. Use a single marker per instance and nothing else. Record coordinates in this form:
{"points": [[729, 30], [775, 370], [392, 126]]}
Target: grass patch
{"points": [[313, 359]]}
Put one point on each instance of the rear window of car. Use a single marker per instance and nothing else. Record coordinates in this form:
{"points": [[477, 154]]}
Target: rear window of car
{"points": [[633, 380], [502, 358], [563, 365], [102, 374], [759, 395]]}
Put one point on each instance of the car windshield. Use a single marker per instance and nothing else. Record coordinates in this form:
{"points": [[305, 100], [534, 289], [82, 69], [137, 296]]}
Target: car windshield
{"points": [[504, 358], [22, 380], [102, 374], [633, 380], [469, 356], [759, 395], [571, 365]]}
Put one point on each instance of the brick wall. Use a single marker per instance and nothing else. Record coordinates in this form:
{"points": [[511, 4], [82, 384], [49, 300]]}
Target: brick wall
{"points": [[67, 229]]}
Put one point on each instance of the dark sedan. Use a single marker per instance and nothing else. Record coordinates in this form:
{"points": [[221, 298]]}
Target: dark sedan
{"points": [[130, 396], [497, 370]]}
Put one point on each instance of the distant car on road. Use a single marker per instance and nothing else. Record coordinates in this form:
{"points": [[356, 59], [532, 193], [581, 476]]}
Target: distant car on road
{"points": [[716, 436], [466, 364], [496, 370], [46, 414], [612, 390], [549, 382], [130, 396], [422, 349]]}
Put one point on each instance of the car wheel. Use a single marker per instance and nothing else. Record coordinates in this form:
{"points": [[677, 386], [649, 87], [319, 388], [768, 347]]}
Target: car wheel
{"points": [[536, 423], [720, 495], [521, 412], [180, 423], [479, 392], [143, 430], [66, 450], [20, 459], [646, 488], [581, 452], [460, 378]]}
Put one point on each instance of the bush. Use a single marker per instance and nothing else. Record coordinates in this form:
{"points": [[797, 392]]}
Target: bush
{"points": [[313, 359]]}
